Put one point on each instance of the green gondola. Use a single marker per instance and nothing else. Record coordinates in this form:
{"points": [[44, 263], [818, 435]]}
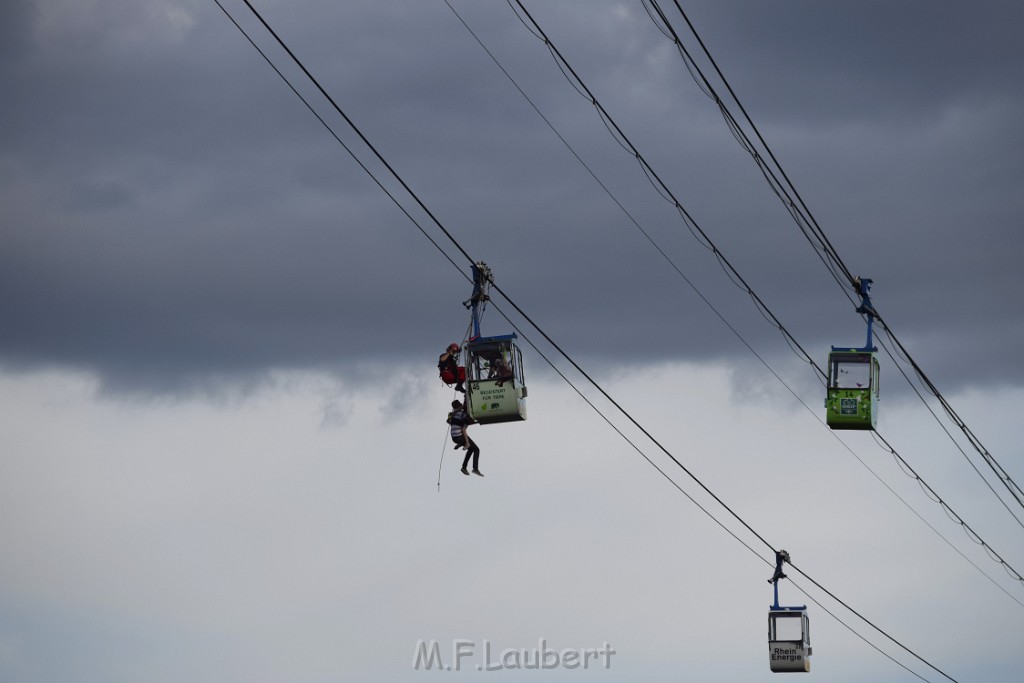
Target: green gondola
{"points": [[495, 386], [494, 374], [852, 398]]}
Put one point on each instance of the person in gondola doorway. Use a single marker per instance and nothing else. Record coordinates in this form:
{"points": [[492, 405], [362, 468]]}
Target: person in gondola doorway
{"points": [[499, 370], [460, 420], [450, 370]]}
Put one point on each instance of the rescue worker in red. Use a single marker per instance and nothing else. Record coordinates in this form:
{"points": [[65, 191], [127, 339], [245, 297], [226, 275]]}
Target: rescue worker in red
{"points": [[450, 370]]}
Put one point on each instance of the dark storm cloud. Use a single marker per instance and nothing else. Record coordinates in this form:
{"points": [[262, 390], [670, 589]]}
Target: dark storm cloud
{"points": [[172, 212], [828, 62], [15, 21]]}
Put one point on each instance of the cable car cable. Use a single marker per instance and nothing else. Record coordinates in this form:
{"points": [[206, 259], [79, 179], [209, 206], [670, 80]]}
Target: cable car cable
{"points": [[767, 314], [622, 434], [997, 469], [691, 498], [700, 294], [666, 28], [824, 247], [955, 442], [952, 514], [701, 483], [567, 69], [415, 197], [853, 631], [327, 126], [819, 233], [359, 133], [662, 188], [993, 464], [703, 509], [534, 324]]}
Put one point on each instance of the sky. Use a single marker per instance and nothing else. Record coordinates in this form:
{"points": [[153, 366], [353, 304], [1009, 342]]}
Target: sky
{"points": [[222, 433]]}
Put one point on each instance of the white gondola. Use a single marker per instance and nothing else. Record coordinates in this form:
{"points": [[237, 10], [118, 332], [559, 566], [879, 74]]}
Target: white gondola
{"points": [[495, 389], [789, 629], [789, 639]]}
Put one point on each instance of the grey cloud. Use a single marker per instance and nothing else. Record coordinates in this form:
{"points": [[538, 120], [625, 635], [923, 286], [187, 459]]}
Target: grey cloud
{"points": [[172, 211]]}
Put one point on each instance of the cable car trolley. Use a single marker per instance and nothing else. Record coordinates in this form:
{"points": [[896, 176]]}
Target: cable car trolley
{"points": [[495, 387], [852, 396], [789, 635]]}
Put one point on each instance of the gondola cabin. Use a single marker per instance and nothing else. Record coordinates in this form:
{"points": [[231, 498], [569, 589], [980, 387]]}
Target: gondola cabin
{"points": [[852, 398], [789, 639], [789, 629], [495, 390]]}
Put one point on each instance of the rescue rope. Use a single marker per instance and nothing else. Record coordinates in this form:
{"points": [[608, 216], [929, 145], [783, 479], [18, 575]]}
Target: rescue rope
{"points": [[444, 443]]}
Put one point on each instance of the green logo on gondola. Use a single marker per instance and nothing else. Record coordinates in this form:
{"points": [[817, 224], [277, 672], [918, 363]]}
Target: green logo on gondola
{"points": [[847, 406]]}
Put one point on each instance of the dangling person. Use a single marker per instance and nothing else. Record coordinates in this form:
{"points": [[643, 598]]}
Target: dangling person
{"points": [[459, 419]]}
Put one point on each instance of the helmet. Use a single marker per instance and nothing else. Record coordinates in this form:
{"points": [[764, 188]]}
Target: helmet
{"points": [[453, 347], [456, 404]]}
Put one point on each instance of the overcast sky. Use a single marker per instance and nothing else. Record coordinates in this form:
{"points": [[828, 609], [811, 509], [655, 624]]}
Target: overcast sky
{"points": [[221, 423]]}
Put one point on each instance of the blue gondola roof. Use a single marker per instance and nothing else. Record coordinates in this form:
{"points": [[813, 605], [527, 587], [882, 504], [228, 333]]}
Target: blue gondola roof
{"points": [[500, 337]]}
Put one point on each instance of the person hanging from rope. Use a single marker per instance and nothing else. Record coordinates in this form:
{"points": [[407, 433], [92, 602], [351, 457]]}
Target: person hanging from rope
{"points": [[459, 420], [449, 369]]}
